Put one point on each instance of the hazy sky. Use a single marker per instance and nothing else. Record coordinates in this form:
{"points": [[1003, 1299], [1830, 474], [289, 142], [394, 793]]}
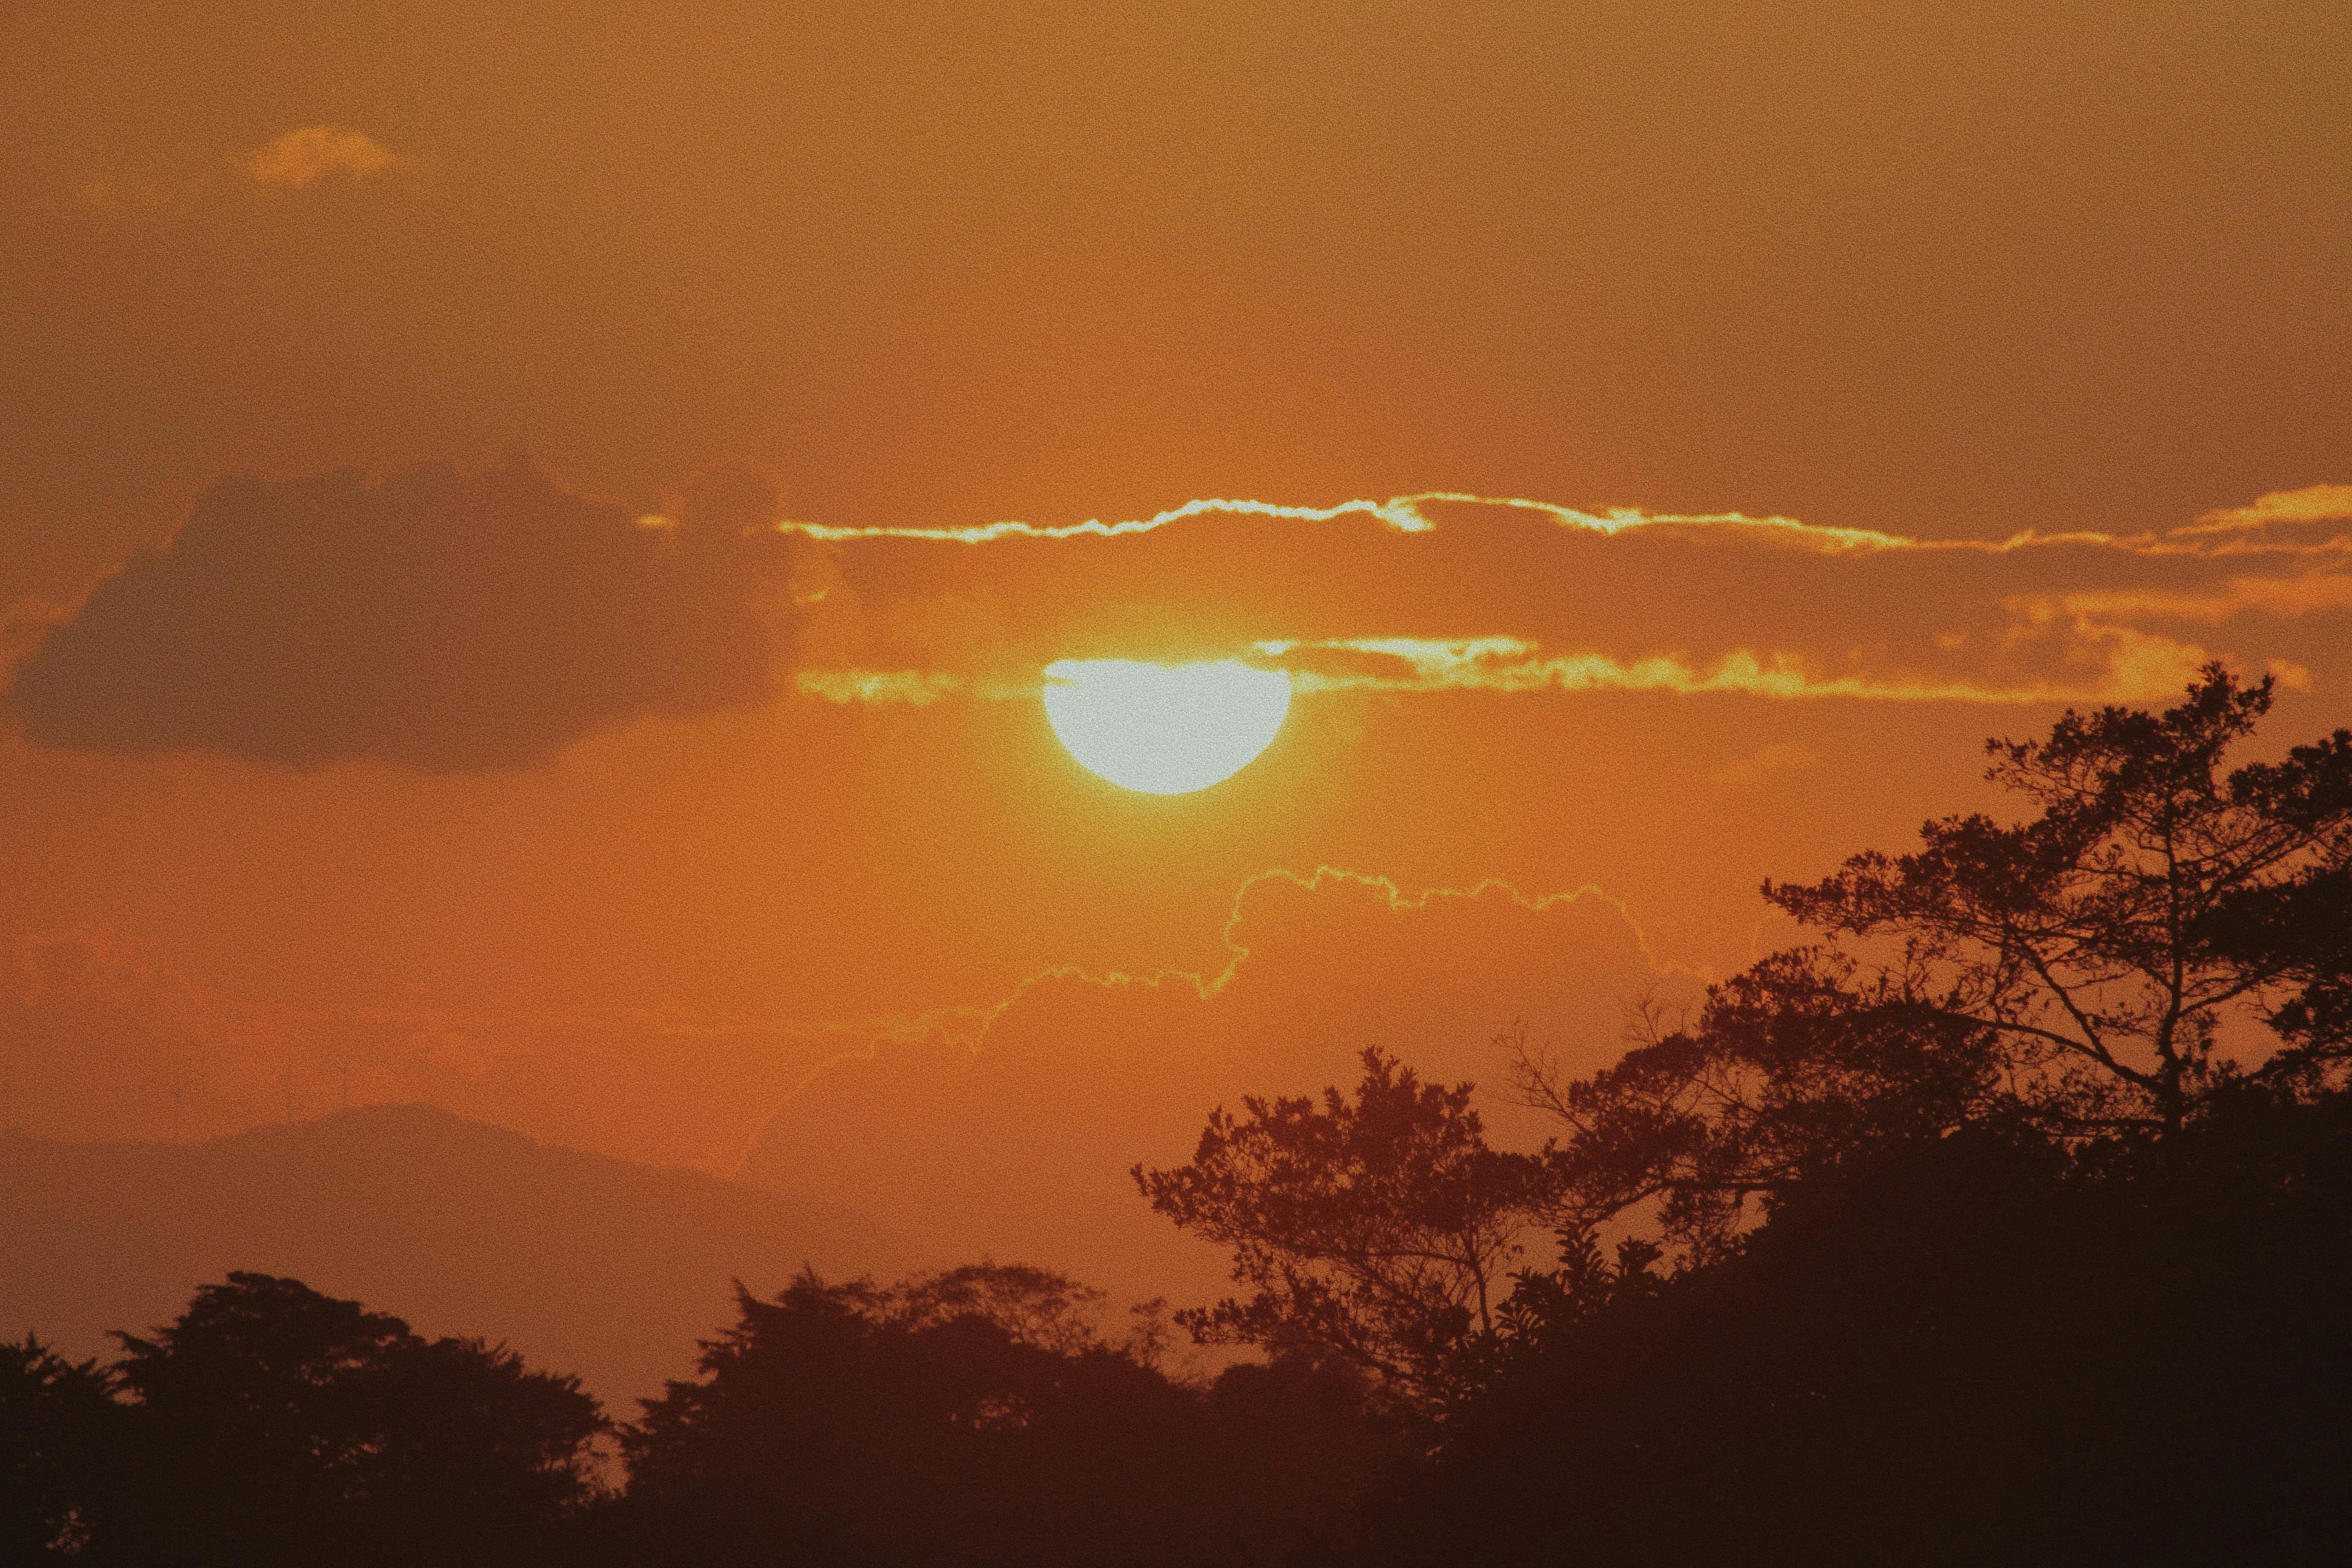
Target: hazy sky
{"points": [[499, 597]]}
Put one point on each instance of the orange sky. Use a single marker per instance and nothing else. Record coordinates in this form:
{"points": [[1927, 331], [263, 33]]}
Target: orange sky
{"points": [[1888, 378]]}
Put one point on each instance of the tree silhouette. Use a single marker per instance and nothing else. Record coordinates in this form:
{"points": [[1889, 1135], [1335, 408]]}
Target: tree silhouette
{"points": [[60, 1431], [972, 1418], [1793, 1068], [2104, 941], [1991, 1347], [273, 1424], [1033, 1307], [2073, 974], [1380, 1228]]}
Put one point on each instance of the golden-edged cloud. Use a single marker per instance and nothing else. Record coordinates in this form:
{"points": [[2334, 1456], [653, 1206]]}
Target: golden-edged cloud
{"points": [[2313, 503], [2156, 669], [487, 622], [2283, 596], [1443, 591], [1011, 1131], [1004, 1128], [915, 687], [1411, 515]]}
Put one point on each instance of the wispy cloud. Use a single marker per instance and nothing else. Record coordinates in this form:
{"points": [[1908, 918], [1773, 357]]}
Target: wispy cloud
{"points": [[1781, 757], [1412, 514], [2313, 503], [294, 161], [1405, 514], [2288, 596], [916, 688], [303, 157], [2149, 668]]}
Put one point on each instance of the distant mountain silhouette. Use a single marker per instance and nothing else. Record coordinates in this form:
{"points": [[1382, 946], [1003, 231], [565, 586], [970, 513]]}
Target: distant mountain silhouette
{"points": [[584, 1264]]}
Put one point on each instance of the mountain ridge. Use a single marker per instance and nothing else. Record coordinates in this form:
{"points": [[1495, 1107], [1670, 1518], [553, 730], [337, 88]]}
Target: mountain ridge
{"points": [[583, 1262]]}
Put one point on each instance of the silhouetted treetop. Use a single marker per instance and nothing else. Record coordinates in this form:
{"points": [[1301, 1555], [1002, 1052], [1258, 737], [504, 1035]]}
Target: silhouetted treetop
{"points": [[1381, 1227], [60, 1442], [2105, 939], [276, 1425], [1031, 1306], [1793, 1067], [2069, 978], [974, 1417]]}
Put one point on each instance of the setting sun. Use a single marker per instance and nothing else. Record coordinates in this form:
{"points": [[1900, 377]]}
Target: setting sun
{"points": [[1165, 729], [1175, 785]]}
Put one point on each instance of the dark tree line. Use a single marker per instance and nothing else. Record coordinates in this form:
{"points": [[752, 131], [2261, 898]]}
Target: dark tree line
{"points": [[1975, 1349], [2009, 1222], [974, 1417], [977, 1417], [269, 1424]]}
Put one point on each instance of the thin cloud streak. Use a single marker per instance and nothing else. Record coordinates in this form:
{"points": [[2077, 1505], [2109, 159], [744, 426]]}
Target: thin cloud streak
{"points": [[1405, 514], [2141, 667], [915, 687], [1506, 664], [2285, 597], [2313, 503]]}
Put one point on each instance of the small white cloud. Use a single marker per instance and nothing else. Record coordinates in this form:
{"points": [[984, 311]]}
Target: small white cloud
{"points": [[1778, 758], [304, 157], [918, 687]]}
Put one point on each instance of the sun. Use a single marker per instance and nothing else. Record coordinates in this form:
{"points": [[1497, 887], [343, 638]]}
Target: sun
{"points": [[1164, 729]]}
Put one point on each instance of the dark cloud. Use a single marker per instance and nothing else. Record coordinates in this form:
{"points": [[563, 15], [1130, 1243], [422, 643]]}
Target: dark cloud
{"points": [[1501, 594], [445, 622]]}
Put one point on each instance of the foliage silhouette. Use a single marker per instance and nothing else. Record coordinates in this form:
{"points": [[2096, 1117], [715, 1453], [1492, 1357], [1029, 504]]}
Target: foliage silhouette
{"points": [[273, 1424], [967, 1418], [2078, 974], [1793, 1067], [1989, 1348], [2019, 1231], [2104, 941], [60, 1429], [1380, 1228]]}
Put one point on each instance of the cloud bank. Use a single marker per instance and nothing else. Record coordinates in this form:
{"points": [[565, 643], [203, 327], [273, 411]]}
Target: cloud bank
{"points": [[459, 623], [1443, 591], [1011, 1132], [444, 622]]}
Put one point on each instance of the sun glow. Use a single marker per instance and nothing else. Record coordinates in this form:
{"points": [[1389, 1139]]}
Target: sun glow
{"points": [[1164, 729]]}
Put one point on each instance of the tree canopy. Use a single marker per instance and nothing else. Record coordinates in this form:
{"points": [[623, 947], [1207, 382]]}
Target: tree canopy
{"points": [[270, 1424], [61, 1437], [1380, 1227], [976, 1417], [2160, 927], [2104, 941]]}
